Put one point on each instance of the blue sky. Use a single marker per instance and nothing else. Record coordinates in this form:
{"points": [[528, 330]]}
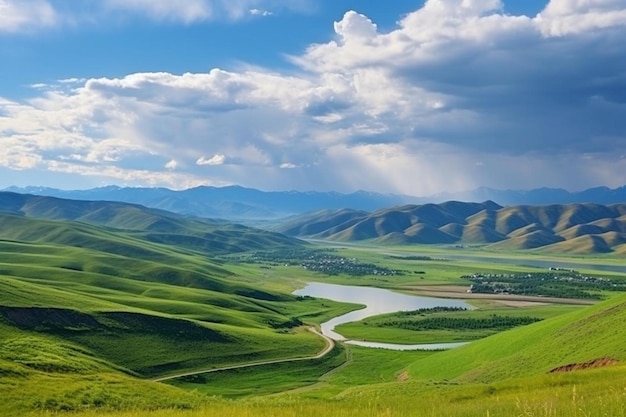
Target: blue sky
{"points": [[404, 97]]}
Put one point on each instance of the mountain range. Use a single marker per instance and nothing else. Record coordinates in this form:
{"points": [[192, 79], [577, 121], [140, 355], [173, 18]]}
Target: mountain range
{"points": [[235, 202], [25, 217], [569, 228]]}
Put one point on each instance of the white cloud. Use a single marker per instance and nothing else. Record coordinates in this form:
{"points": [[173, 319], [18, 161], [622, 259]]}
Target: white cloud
{"points": [[214, 160], [260, 12], [355, 27], [23, 15], [19, 156], [73, 81], [410, 110], [111, 173], [563, 17], [187, 11], [36, 15]]}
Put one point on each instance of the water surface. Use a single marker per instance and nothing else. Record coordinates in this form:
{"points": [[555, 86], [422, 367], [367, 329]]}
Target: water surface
{"points": [[376, 301]]}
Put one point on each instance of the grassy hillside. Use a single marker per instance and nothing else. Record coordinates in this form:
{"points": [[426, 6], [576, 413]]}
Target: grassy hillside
{"points": [[570, 228], [130, 308], [447, 326], [503, 375], [135, 300], [44, 372], [582, 336], [320, 222], [207, 236], [170, 343], [89, 312]]}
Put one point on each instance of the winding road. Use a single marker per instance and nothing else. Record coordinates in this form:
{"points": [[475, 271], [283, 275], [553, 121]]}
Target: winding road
{"points": [[330, 344]]}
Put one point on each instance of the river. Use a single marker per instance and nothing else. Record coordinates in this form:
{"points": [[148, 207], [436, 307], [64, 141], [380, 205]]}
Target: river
{"points": [[377, 301]]}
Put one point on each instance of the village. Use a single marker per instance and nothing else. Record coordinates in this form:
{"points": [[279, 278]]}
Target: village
{"points": [[555, 282], [323, 261]]}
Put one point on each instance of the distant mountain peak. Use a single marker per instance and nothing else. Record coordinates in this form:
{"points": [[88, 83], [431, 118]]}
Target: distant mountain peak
{"points": [[238, 202], [572, 228]]}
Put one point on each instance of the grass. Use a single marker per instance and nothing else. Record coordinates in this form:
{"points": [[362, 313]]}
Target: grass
{"points": [[157, 305], [396, 327], [576, 337], [174, 343], [105, 307], [264, 379], [596, 393], [366, 367], [45, 372]]}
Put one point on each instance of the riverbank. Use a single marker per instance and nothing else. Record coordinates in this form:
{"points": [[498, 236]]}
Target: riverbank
{"points": [[377, 301]]}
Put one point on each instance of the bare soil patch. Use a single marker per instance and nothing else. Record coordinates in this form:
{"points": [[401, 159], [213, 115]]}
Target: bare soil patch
{"points": [[404, 376], [596, 363]]}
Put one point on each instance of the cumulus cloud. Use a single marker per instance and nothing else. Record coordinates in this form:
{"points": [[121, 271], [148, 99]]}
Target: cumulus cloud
{"points": [[409, 110], [355, 27], [565, 17]]}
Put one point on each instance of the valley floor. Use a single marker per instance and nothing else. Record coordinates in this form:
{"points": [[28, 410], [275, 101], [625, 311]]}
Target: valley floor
{"points": [[512, 300], [102, 354]]}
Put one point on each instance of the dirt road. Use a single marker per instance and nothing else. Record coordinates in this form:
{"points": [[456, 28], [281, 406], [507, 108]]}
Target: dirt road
{"points": [[330, 344]]}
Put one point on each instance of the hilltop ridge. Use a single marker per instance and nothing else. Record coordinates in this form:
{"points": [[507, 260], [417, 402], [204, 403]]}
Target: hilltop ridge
{"points": [[568, 228], [237, 202]]}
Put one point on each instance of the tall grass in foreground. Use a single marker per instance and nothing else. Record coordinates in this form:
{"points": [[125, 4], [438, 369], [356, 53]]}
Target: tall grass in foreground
{"points": [[520, 408], [596, 393]]}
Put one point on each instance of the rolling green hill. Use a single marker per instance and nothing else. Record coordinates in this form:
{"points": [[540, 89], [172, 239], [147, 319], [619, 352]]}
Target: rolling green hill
{"points": [[580, 337], [89, 311], [209, 236], [570, 228], [535, 370], [87, 294], [85, 305], [44, 372]]}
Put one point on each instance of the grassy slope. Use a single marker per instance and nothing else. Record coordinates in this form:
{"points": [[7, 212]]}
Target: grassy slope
{"points": [[263, 380], [388, 327], [128, 306], [148, 224], [577, 337], [595, 393], [115, 322], [96, 282], [504, 228], [48, 373]]}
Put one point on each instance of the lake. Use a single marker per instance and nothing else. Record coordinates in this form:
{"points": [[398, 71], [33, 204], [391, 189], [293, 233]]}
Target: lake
{"points": [[376, 301]]}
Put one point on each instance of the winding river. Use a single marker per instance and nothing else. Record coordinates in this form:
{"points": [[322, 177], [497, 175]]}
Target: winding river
{"points": [[377, 301]]}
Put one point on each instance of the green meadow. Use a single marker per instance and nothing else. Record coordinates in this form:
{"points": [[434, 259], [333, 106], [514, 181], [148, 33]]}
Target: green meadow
{"points": [[92, 311], [448, 326]]}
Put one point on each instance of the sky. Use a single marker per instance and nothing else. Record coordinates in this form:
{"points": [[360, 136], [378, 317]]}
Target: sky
{"points": [[407, 97]]}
